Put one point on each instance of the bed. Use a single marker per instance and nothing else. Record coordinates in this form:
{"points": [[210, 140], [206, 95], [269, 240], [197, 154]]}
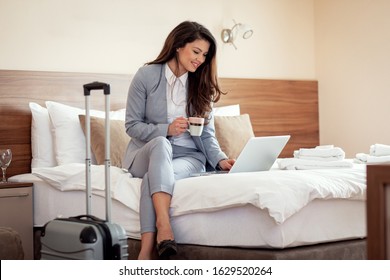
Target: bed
{"points": [[239, 216]]}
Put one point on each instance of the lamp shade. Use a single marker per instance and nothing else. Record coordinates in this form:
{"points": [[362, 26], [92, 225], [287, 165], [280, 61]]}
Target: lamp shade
{"points": [[246, 31], [238, 30]]}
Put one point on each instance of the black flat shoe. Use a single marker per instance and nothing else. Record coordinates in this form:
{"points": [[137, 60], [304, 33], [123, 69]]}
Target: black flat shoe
{"points": [[167, 248]]}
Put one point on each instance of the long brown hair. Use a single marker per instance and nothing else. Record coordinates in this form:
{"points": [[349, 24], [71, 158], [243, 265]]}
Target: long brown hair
{"points": [[203, 88]]}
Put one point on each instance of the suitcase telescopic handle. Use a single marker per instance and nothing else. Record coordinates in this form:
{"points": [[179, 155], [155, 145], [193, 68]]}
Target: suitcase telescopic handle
{"points": [[96, 85], [107, 163]]}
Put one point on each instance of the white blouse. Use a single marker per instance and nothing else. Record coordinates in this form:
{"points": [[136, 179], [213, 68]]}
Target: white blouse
{"points": [[176, 104]]}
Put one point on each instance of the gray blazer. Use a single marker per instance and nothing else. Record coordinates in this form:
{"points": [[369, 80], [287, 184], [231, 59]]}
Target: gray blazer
{"points": [[147, 117]]}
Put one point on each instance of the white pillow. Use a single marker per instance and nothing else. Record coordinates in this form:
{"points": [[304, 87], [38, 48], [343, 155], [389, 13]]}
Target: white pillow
{"points": [[69, 139], [230, 110], [42, 147]]}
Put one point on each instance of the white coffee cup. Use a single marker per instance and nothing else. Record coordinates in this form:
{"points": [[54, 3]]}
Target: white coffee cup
{"points": [[195, 126]]}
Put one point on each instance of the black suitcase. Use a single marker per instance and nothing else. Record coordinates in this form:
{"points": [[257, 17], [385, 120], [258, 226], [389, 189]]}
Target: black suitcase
{"points": [[86, 236]]}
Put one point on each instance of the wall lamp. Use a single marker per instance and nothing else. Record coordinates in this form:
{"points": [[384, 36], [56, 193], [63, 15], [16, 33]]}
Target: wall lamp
{"points": [[238, 30]]}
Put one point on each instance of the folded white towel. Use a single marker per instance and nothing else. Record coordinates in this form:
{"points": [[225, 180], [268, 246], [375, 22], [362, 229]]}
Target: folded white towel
{"points": [[325, 147], [328, 152], [379, 150], [296, 155], [366, 158], [302, 164]]}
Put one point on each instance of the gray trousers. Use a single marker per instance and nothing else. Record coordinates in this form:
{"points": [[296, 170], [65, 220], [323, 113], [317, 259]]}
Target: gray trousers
{"points": [[160, 164]]}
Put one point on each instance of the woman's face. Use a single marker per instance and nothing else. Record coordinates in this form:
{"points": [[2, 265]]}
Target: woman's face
{"points": [[192, 55]]}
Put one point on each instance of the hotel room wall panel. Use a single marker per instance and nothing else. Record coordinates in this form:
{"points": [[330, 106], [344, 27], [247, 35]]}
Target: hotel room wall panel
{"points": [[275, 106], [278, 107]]}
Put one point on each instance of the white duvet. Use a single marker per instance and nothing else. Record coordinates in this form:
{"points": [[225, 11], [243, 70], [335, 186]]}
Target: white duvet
{"points": [[70, 177], [281, 192]]}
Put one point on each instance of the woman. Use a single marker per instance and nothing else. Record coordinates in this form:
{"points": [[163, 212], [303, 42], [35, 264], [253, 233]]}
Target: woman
{"points": [[181, 82]]}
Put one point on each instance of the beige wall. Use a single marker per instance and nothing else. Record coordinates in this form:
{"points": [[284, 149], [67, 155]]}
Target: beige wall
{"points": [[118, 36], [353, 69]]}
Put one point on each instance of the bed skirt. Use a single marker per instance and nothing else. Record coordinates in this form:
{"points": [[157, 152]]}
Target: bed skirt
{"points": [[341, 250]]}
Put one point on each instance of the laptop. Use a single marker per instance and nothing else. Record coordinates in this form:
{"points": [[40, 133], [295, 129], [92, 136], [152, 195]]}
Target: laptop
{"points": [[259, 154]]}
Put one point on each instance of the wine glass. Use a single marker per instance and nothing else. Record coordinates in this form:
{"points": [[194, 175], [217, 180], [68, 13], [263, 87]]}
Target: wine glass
{"points": [[5, 160]]}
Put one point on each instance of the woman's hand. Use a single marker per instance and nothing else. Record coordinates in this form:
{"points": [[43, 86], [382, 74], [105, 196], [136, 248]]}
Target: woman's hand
{"points": [[178, 126], [226, 164]]}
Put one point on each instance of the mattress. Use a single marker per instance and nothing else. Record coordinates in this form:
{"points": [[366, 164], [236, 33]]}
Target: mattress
{"points": [[276, 209], [250, 227]]}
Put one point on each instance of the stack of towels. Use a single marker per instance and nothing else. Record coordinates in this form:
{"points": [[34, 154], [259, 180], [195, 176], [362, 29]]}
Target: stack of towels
{"points": [[326, 156], [379, 153]]}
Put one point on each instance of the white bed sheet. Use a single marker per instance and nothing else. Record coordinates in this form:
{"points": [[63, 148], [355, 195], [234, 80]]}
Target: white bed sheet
{"points": [[282, 193], [321, 216]]}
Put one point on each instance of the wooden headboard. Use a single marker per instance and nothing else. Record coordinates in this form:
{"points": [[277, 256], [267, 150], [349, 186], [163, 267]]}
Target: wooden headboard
{"points": [[275, 107]]}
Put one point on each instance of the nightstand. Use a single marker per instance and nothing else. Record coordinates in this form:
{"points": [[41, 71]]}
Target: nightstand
{"points": [[16, 211]]}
